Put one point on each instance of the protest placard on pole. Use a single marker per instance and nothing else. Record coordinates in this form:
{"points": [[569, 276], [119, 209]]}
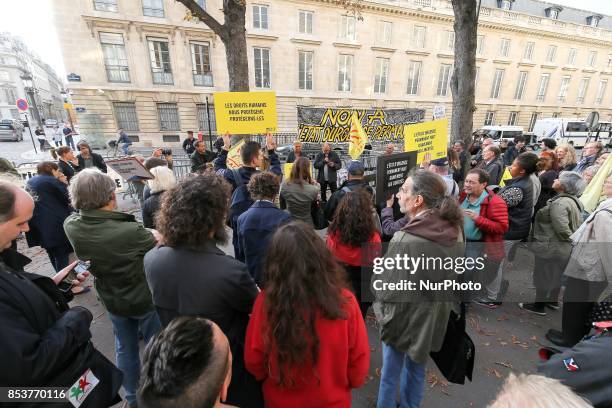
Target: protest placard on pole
{"points": [[129, 168], [427, 137], [242, 113], [391, 172]]}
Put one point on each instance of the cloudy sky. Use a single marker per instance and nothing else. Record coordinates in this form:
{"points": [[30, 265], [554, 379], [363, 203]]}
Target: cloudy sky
{"points": [[32, 20]]}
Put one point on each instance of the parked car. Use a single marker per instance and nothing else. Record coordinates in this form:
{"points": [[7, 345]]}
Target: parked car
{"points": [[50, 123], [11, 130]]}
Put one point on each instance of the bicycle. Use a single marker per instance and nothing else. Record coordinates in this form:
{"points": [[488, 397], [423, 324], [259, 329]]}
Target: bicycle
{"points": [[114, 152]]}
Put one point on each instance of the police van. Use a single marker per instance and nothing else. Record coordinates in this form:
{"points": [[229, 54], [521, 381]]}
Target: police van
{"points": [[570, 130]]}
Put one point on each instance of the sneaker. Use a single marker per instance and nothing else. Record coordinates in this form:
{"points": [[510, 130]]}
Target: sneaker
{"points": [[532, 308], [486, 302], [553, 305]]}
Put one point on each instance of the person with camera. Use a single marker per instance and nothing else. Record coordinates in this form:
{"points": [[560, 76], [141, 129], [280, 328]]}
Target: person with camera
{"points": [[163, 153], [44, 342]]}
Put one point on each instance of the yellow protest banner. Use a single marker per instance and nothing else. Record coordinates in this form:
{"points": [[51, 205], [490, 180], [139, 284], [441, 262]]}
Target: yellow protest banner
{"points": [[245, 112], [234, 160], [593, 195], [358, 138], [427, 137]]}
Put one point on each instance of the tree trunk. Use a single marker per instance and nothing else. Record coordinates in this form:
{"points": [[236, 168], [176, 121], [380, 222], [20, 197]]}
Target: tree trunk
{"points": [[235, 46], [233, 35], [464, 73]]}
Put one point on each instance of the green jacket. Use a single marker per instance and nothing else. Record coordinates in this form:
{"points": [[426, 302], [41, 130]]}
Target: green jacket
{"points": [[116, 244], [409, 322], [554, 224]]}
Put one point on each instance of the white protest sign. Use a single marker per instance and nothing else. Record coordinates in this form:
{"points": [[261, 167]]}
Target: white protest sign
{"points": [[129, 168], [439, 111]]}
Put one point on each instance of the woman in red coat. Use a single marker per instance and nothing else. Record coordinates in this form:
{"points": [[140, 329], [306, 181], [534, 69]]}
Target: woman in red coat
{"points": [[354, 240], [306, 339]]}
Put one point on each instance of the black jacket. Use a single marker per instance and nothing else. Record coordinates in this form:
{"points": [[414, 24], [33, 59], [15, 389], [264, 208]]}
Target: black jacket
{"points": [[68, 169], [593, 374], [320, 164], [188, 146], [210, 284], [512, 153], [150, 208], [334, 200], [44, 343], [98, 162], [494, 169], [52, 206], [518, 195], [291, 157], [198, 160]]}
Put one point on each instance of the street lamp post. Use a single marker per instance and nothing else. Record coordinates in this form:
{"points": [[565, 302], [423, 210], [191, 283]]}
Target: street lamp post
{"points": [[30, 90]]}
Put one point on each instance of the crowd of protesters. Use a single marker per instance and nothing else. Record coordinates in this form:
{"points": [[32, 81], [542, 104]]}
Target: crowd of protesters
{"points": [[282, 322]]}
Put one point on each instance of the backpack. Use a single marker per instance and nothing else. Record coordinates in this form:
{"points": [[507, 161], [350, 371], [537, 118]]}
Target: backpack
{"points": [[240, 202]]}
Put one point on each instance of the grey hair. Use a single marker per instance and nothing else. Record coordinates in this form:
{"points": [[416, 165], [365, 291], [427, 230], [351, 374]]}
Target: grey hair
{"points": [[537, 391], [572, 182], [91, 189], [164, 179]]}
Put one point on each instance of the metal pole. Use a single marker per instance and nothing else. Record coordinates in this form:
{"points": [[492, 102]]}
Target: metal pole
{"points": [[209, 131], [30, 129], [35, 106]]}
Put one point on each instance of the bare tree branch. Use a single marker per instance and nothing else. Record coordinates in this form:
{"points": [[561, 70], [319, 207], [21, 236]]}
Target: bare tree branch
{"points": [[203, 15]]}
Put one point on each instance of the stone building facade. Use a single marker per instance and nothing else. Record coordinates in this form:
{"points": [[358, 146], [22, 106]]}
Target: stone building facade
{"points": [[143, 67], [15, 61]]}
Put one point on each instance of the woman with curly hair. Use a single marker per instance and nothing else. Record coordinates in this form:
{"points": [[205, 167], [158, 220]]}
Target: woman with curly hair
{"points": [[306, 339], [354, 239], [190, 275], [300, 191], [566, 154]]}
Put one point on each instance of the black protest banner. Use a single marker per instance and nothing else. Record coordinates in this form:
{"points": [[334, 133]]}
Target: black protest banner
{"points": [[391, 172], [318, 125]]}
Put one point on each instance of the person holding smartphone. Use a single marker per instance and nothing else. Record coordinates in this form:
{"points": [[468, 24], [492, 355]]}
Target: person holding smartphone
{"points": [[44, 342]]}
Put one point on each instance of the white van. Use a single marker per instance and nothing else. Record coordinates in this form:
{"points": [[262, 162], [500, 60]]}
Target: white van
{"points": [[499, 133], [570, 130]]}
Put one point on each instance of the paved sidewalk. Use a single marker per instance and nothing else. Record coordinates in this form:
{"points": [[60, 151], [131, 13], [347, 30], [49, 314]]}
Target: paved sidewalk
{"points": [[507, 340]]}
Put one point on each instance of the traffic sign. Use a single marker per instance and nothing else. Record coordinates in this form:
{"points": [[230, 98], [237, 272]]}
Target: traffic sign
{"points": [[22, 104]]}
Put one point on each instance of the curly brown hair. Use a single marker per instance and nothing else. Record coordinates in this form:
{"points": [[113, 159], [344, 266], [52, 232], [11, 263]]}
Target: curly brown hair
{"points": [[193, 210], [302, 281], [264, 185], [353, 221]]}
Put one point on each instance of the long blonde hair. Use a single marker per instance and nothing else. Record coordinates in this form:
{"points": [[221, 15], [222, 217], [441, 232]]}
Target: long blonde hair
{"points": [[570, 154]]}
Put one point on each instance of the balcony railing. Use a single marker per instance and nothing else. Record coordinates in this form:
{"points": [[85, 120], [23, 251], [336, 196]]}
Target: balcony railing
{"points": [[117, 73], [203, 79], [163, 78]]}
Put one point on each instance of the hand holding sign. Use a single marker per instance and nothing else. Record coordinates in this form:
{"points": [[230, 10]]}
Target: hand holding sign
{"points": [[227, 141], [270, 142]]}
